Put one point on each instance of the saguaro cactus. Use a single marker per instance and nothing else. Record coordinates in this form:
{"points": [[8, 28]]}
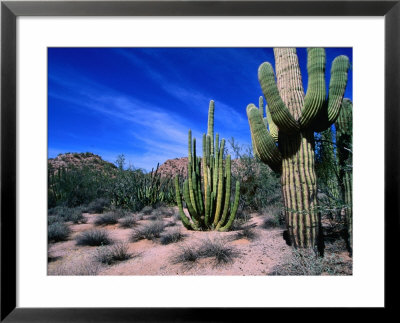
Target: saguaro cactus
{"points": [[344, 133], [286, 143], [207, 190]]}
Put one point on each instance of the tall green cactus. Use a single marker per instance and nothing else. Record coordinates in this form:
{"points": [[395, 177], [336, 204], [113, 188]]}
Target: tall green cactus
{"points": [[207, 190], [286, 144], [344, 133]]}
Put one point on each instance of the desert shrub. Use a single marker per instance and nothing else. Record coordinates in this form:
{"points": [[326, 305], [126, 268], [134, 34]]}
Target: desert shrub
{"points": [[54, 211], [127, 222], [166, 211], [58, 231], [93, 237], [61, 211], [72, 186], [259, 186], [171, 237], [111, 217], [147, 210], [246, 233], [99, 182], [111, 254], [307, 263], [98, 205], [170, 224], [106, 219], [76, 216], [149, 231], [66, 214], [54, 219]]}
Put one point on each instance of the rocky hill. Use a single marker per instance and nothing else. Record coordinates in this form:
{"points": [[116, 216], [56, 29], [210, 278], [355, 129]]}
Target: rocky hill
{"points": [[173, 167], [176, 166], [79, 160]]}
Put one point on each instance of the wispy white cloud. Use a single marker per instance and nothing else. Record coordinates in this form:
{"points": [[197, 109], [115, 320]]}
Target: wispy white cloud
{"points": [[160, 133]]}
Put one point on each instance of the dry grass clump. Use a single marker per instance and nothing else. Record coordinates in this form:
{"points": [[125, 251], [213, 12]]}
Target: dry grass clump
{"points": [[58, 231], [246, 233], [217, 250], [273, 218], [111, 254], [127, 222], [93, 237], [149, 231], [110, 217], [66, 214], [84, 268], [170, 223], [241, 219], [167, 212], [307, 263], [171, 237], [270, 222], [187, 256]]}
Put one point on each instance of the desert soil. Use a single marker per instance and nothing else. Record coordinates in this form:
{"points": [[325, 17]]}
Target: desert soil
{"points": [[257, 256]]}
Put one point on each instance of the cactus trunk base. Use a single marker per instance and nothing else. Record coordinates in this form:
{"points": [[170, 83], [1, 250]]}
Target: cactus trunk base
{"points": [[299, 190]]}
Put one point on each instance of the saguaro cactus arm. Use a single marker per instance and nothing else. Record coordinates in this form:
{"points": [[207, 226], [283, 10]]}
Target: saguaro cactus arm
{"points": [[273, 129], [337, 87], [279, 112], [316, 91], [267, 151]]}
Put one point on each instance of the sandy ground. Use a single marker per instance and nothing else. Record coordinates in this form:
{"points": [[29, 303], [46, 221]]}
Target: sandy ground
{"points": [[257, 256]]}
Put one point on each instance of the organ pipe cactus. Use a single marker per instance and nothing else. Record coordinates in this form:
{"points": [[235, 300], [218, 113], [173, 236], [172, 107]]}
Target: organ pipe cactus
{"points": [[344, 133], [207, 190], [286, 143]]}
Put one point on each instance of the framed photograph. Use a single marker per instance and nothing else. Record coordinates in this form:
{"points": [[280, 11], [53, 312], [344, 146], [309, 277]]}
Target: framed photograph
{"points": [[111, 212]]}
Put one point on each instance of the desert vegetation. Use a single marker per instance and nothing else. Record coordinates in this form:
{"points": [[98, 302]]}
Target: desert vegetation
{"points": [[289, 212]]}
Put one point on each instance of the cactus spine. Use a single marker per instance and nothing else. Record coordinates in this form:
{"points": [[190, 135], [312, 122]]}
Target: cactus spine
{"points": [[207, 190], [295, 117], [344, 133]]}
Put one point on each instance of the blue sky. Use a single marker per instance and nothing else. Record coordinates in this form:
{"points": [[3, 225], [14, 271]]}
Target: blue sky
{"points": [[141, 102]]}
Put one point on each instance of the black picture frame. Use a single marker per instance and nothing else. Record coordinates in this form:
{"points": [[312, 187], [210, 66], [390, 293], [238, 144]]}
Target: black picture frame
{"points": [[10, 10]]}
